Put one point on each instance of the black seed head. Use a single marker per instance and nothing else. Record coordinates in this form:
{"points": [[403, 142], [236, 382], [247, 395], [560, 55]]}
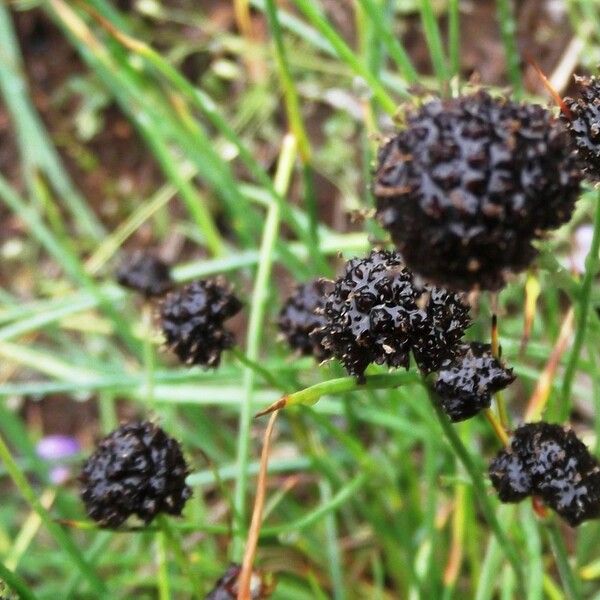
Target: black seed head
{"points": [[465, 383], [584, 124], [192, 321], [510, 477], [469, 183], [378, 313], [145, 274], [301, 314], [557, 465], [227, 589], [136, 470]]}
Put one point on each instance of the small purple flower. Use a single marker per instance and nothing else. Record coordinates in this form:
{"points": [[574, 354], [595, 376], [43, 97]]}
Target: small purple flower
{"points": [[54, 449]]}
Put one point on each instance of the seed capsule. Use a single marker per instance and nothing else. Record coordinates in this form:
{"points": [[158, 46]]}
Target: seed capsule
{"points": [[468, 185], [378, 313], [465, 383], [193, 319], [136, 470]]}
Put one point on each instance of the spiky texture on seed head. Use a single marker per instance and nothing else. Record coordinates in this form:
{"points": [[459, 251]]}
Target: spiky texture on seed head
{"points": [[555, 465], [583, 123], [227, 589], [378, 313], [469, 183], [301, 314], [136, 470], [465, 383], [145, 274], [192, 321]]}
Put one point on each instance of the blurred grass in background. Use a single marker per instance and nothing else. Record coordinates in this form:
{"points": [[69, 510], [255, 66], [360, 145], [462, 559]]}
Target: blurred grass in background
{"points": [[238, 139]]}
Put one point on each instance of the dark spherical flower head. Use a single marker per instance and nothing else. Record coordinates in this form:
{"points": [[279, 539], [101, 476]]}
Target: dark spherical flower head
{"points": [[583, 124], [146, 274], [301, 314], [378, 313], [192, 321], [469, 183], [558, 466], [227, 589], [465, 383], [136, 470]]}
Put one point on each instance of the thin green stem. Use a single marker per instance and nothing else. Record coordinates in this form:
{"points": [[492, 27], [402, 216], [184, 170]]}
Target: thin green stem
{"points": [[292, 103], [337, 500], [479, 487], [37, 150], [333, 547], [298, 129], [434, 43], [67, 259], [163, 583], [390, 40], [567, 576], [454, 37], [311, 395], [267, 375], [508, 31], [345, 53], [16, 583], [258, 308], [591, 268], [173, 542], [60, 536]]}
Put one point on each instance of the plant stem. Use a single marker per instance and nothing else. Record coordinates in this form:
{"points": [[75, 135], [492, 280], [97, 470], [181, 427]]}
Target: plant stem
{"points": [[479, 488], [454, 37], [269, 378], [434, 44], [508, 31], [311, 395], [255, 327], [497, 426], [390, 41], [16, 583], [591, 268], [311, 11], [567, 576]]}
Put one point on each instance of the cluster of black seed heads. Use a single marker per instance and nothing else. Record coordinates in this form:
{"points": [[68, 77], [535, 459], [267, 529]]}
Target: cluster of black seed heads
{"points": [[145, 274], [582, 119], [549, 461], [379, 313], [226, 587], [302, 314], [192, 321], [136, 470], [465, 383], [469, 183]]}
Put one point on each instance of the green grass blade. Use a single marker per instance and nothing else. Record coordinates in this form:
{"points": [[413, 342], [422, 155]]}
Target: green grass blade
{"points": [[567, 576], [16, 583], [508, 31], [62, 539], [592, 264], [346, 54], [37, 151], [390, 40], [433, 38], [454, 37], [480, 491], [67, 259], [258, 306]]}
